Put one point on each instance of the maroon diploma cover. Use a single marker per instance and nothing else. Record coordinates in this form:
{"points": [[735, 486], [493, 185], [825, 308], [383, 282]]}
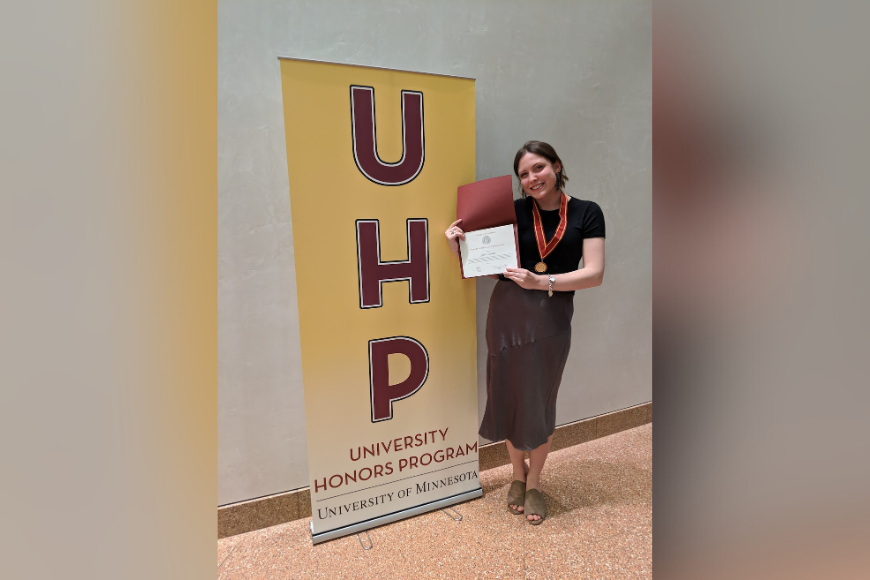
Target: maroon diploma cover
{"points": [[487, 204]]}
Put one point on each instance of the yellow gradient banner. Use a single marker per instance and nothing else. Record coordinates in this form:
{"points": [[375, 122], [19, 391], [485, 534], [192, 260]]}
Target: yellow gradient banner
{"points": [[387, 325]]}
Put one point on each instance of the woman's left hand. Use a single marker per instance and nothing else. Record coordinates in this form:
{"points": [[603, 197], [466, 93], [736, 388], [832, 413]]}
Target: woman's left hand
{"points": [[524, 278]]}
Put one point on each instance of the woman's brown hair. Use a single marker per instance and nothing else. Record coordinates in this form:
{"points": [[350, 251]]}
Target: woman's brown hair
{"points": [[546, 151]]}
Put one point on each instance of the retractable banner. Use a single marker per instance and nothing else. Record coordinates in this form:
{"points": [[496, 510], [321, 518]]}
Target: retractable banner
{"points": [[387, 325]]}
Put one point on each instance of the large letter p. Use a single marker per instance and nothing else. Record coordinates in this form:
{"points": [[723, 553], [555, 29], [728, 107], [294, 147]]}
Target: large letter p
{"points": [[383, 393]]}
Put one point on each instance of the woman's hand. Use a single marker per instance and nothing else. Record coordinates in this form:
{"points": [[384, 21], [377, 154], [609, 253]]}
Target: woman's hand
{"points": [[525, 279], [454, 233]]}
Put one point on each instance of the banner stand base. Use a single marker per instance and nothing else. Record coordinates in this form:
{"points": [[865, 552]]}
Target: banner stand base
{"points": [[394, 517]]}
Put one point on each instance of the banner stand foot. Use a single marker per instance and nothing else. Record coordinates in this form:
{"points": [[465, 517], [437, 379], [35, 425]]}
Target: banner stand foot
{"points": [[454, 518], [359, 537]]}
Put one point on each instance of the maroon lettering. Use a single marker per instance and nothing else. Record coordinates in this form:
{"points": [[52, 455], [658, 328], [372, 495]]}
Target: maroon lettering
{"points": [[383, 394], [318, 485], [373, 272], [365, 140], [340, 481]]}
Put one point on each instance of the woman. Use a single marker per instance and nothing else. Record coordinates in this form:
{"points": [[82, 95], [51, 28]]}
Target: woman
{"points": [[528, 327]]}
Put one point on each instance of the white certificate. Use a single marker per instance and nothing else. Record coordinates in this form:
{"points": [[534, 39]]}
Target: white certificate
{"points": [[489, 251]]}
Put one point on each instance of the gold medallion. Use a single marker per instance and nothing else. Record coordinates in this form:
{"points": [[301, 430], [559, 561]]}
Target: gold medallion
{"points": [[540, 267]]}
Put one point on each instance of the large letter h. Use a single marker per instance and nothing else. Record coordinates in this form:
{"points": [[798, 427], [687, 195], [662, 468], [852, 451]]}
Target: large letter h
{"points": [[373, 272]]}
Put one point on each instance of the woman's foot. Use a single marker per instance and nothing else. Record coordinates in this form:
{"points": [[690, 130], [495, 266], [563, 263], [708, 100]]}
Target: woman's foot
{"points": [[516, 497], [536, 508], [533, 482], [519, 476]]}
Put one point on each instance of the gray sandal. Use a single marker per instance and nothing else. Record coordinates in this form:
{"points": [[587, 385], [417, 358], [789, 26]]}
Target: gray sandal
{"points": [[516, 496], [535, 506]]}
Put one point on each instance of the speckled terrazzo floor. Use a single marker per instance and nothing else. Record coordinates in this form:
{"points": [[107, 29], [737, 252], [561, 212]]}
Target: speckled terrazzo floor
{"points": [[599, 499]]}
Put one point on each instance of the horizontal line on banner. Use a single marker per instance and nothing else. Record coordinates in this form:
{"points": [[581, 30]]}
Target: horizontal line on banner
{"points": [[395, 480], [393, 516]]}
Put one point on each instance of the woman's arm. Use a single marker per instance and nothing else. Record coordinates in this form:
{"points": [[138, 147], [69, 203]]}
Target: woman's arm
{"points": [[590, 275]]}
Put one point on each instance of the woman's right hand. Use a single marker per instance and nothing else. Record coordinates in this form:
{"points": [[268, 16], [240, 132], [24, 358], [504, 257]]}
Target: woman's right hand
{"points": [[454, 233]]}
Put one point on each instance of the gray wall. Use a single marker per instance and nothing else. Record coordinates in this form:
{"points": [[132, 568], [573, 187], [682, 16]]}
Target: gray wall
{"points": [[576, 74]]}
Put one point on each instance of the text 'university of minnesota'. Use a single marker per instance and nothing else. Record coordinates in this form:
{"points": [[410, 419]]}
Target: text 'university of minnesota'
{"points": [[423, 487]]}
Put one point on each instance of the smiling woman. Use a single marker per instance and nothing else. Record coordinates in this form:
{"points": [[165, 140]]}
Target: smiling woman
{"points": [[528, 327]]}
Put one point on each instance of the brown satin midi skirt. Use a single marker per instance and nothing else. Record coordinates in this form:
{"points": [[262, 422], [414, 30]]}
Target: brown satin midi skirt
{"points": [[528, 336]]}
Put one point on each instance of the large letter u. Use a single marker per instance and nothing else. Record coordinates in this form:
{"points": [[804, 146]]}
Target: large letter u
{"points": [[406, 169]]}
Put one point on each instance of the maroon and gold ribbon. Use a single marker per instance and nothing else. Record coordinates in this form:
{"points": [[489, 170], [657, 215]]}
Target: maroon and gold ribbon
{"points": [[545, 247]]}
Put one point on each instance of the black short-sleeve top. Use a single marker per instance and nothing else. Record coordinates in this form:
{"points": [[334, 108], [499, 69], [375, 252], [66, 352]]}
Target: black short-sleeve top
{"points": [[585, 220]]}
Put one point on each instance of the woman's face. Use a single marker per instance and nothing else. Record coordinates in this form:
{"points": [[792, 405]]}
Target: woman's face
{"points": [[538, 176]]}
